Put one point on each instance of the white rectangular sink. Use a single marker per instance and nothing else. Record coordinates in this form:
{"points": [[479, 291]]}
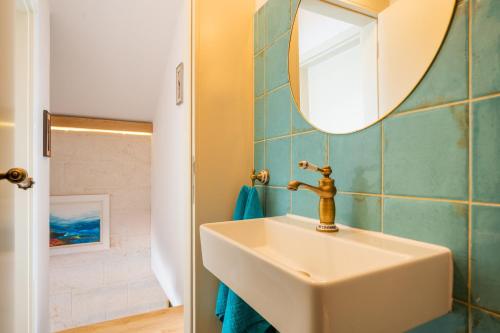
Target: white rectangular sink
{"points": [[305, 281]]}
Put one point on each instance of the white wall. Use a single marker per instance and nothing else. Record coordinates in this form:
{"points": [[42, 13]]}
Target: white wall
{"points": [[170, 183], [41, 166], [107, 55], [92, 287]]}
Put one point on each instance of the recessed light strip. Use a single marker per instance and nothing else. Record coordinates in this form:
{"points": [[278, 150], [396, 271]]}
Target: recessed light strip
{"points": [[6, 124], [94, 130]]}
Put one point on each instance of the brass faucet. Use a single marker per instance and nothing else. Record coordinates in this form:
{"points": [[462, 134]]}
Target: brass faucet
{"points": [[326, 191]]}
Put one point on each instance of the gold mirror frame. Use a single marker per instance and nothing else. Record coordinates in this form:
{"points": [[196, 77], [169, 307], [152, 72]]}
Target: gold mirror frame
{"points": [[293, 60]]}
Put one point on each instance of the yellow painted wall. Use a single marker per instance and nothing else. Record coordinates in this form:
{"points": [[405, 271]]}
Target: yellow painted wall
{"points": [[293, 62], [223, 127]]}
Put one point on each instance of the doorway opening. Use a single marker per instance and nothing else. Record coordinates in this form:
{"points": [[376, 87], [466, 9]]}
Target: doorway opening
{"points": [[118, 219]]}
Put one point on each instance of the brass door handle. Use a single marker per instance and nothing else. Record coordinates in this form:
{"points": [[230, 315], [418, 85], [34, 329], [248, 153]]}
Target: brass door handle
{"points": [[19, 177]]}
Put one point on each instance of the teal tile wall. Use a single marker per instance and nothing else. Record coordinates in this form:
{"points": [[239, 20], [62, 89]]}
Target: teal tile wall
{"points": [[278, 112], [455, 322], [486, 170], [426, 154], [485, 268], [360, 171], [442, 223], [430, 171]]}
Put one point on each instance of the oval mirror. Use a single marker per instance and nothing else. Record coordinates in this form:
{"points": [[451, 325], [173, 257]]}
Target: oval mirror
{"points": [[352, 62]]}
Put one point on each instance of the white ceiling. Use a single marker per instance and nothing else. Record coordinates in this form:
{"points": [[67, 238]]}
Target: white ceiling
{"points": [[108, 56]]}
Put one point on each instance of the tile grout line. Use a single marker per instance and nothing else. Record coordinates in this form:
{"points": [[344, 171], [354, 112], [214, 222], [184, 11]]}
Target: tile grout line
{"points": [[276, 39], [382, 190], [429, 108], [395, 196], [489, 312], [275, 89], [485, 97], [469, 215], [485, 204], [444, 105], [466, 304], [361, 194], [407, 197], [275, 187], [286, 136]]}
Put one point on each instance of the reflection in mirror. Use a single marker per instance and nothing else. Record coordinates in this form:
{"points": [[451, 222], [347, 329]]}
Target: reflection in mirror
{"points": [[352, 62], [338, 65]]}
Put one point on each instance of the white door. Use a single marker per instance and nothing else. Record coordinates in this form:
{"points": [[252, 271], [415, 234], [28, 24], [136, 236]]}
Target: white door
{"points": [[7, 133], [15, 129]]}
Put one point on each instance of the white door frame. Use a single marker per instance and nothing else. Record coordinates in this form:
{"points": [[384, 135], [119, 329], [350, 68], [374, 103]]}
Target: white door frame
{"points": [[24, 20]]}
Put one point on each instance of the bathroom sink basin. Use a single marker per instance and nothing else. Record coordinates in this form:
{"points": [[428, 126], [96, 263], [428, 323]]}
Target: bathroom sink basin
{"points": [[303, 281]]}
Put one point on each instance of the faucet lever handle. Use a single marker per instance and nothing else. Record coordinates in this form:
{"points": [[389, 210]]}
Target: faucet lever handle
{"points": [[326, 171], [308, 166]]}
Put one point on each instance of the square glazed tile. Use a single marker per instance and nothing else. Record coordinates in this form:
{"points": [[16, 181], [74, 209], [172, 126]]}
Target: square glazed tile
{"points": [[439, 223], [259, 74], [259, 120], [305, 203], [278, 113], [277, 63], [278, 161], [485, 47], [426, 154], [356, 160], [453, 322], [309, 147], [485, 261], [359, 211], [299, 124], [483, 322], [259, 156], [259, 29], [447, 79], [262, 190], [278, 18], [277, 201], [486, 151]]}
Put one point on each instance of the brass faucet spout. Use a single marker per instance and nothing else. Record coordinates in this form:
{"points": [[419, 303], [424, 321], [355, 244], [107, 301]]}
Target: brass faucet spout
{"points": [[294, 185]]}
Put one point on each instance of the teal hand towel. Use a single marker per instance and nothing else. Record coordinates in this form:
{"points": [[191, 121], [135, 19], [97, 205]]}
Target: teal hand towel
{"points": [[238, 214], [236, 315]]}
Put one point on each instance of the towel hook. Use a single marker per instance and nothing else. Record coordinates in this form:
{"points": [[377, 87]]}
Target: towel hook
{"points": [[262, 176]]}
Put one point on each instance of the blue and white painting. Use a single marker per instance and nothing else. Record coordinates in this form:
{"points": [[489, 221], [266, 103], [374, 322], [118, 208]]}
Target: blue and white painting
{"points": [[75, 223]]}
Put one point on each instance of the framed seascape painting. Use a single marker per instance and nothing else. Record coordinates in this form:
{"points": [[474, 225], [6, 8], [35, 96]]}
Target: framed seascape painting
{"points": [[79, 223]]}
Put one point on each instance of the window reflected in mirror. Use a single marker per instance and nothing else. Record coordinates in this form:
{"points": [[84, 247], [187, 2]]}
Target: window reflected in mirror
{"points": [[338, 65]]}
